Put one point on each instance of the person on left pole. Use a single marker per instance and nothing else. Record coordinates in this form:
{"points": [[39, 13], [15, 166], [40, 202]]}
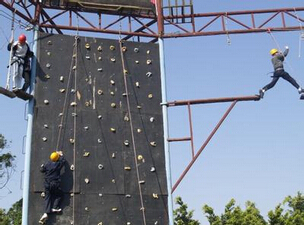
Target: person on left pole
{"points": [[53, 192], [21, 55]]}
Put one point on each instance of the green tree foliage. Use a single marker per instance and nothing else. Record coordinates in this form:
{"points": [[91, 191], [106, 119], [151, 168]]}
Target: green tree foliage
{"points": [[234, 215], [182, 215], [3, 218], [6, 163], [289, 212], [13, 216]]}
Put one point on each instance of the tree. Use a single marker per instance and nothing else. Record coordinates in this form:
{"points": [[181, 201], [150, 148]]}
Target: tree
{"points": [[3, 218], [13, 216], [182, 216], [6, 163], [294, 213], [234, 215]]}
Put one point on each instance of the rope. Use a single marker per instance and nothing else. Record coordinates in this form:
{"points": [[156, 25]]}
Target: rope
{"points": [[278, 47], [226, 28], [131, 128], [65, 109], [74, 123], [301, 37], [8, 76], [22, 25], [65, 102]]}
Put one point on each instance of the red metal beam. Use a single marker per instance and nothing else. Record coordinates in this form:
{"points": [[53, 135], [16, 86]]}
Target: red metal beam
{"points": [[194, 158], [197, 27], [188, 103], [213, 100]]}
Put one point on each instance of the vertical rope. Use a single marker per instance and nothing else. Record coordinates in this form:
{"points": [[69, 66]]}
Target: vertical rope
{"points": [[301, 37], [279, 48], [8, 76], [227, 32], [64, 110], [75, 115], [74, 124], [131, 128]]}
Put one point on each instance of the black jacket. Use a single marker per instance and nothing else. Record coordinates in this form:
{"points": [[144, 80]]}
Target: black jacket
{"points": [[52, 170]]}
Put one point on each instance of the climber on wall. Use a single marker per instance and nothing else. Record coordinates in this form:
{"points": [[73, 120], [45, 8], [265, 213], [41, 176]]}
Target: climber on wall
{"points": [[53, 192], [277, 62]]}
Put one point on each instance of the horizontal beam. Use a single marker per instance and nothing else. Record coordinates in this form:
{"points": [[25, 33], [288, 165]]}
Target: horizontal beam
{"points": [[213, 100], [179, 139], [244, 12], [202, 24]]}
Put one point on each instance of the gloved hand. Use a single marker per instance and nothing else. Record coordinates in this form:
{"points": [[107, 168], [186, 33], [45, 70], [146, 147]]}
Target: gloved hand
{"points": [[286, 47]]}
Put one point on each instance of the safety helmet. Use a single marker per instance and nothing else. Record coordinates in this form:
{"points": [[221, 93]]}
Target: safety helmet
{"points": [[273, 51], [54, 156], [22, 38]]}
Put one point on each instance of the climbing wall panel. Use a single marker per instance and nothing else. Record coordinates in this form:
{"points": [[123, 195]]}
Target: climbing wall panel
{"points": [[98, 100]]}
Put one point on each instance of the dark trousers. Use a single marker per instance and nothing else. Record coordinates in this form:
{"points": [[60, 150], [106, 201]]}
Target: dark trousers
{"points": [[53, 195], [283, 74], [27, 79]]}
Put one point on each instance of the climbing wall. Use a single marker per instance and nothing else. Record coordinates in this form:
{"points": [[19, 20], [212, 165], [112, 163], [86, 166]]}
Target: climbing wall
{"points": [[99, 102]]}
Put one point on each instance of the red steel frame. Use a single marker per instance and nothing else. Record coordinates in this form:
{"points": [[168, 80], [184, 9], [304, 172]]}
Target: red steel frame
{"points": [[188, 103], [149, 26], [153, 27]]}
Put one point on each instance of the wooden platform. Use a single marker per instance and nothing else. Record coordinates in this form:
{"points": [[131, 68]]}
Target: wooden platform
{"points": [[18, 93], [7, 93], [23, 95]]}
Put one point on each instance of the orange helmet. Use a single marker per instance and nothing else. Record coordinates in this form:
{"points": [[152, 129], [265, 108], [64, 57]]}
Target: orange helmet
{"points": [[273, 51], [54, 156], [22, 38]]}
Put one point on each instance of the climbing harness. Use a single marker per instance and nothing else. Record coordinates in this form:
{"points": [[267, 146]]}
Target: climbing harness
{"points": [[131, 127]]}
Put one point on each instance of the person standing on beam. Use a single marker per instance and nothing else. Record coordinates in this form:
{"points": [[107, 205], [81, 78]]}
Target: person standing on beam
{"points": [[279, 72], [20, 62]]}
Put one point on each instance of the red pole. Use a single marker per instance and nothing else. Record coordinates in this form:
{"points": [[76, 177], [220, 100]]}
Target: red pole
{"points": [[203, 146]]}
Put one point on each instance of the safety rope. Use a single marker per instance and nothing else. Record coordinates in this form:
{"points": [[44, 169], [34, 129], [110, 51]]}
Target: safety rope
{"points": [[226, 28], [74, 123], [278, 47], [301, 37], [75, 116], [131, 127], [73, 66], [65, 107], [8, 76]]}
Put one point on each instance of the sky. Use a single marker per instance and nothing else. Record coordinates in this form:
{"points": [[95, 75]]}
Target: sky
{"points": [[258, 152]]}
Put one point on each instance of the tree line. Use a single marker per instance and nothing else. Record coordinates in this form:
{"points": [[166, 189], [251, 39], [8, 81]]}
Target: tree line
{"points": [[289, 212]]}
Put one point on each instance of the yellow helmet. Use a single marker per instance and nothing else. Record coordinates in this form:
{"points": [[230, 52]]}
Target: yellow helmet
{"points": [[273, 51], [54, 156]]}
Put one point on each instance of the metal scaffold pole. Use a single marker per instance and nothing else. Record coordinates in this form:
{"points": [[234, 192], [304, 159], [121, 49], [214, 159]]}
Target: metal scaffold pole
{"points": [[26, 185], [166, 133], [164, 110]]}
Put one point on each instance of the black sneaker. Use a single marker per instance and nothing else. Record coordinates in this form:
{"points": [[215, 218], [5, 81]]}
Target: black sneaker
{"points": [[301, 91]]}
